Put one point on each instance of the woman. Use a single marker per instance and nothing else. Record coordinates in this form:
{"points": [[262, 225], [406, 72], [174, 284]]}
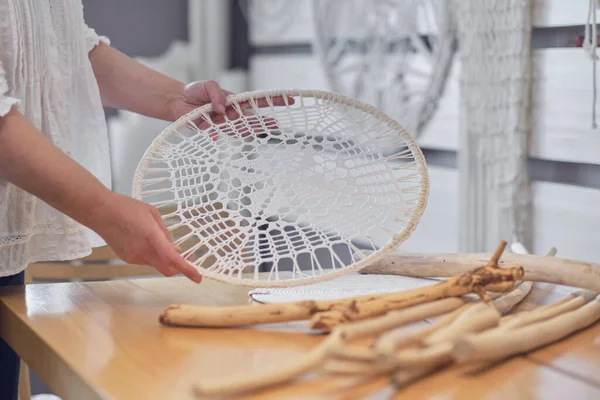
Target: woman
{"points": [[55, 75]]}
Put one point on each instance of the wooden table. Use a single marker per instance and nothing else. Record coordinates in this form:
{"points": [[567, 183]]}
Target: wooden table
{"points": [[102, 340]]}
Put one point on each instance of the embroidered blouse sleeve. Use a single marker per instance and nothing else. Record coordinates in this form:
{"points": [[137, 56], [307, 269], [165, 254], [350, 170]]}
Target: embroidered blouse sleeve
{"points": [[6, 101], [92, 39]]}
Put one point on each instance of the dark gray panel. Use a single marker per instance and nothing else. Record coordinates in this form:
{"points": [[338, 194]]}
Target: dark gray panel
{"points": [[585, 175], [239, 56], [143, 28], [139, 27], [557, 36], [541, 38]]}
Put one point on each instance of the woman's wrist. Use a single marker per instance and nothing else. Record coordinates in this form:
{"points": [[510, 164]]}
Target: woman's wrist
{"points": [[89, 209], [172, 97], [129, 85]]}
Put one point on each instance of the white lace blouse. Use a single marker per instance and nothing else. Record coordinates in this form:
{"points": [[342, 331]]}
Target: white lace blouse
{"points": [[45, 71]]}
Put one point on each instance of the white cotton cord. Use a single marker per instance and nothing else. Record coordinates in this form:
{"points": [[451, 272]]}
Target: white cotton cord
{"points": [[340, 288], [495, 122], [590, 45]]}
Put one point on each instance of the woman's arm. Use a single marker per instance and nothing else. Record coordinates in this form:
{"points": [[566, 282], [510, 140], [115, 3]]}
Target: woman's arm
{"points": [[134, 230], [129, 85], [30, 161]]}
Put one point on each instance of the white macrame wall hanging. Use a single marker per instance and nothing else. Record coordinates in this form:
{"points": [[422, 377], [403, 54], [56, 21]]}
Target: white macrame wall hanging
{"points": [[495, 53], [393, 54]]}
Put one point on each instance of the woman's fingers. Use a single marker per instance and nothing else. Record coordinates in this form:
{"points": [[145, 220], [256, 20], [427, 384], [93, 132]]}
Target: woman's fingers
{"points": [[167, 271], [162, 225], [222, 114], [154, 259], [232, 114], [168, 260], [217, 96]]}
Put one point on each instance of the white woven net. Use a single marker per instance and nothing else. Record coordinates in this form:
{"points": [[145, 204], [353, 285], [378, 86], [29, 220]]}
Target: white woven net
{"points": [[300, 192], [494, 48]]}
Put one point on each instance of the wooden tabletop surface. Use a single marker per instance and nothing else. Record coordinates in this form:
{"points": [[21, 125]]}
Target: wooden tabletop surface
{"points": [[102, 340]]}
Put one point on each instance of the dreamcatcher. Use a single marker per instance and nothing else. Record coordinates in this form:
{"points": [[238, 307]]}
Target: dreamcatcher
{"points": [[393, 54], [316, 185]]}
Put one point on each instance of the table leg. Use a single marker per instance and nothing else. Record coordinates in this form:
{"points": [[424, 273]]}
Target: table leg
{"points": [[24, 383]]}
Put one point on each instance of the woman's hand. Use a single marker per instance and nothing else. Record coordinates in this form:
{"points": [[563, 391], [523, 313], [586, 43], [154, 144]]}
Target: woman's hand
{"points": [[127, 84], [136, 233], [200, 93], [197, 94], [134, 230]]}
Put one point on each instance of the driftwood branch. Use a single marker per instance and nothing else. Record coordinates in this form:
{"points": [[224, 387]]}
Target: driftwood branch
{"points": [[493, 263], [325, 315], [439, 349], [253, 381], [420, 361], [473, 281], [504, 343], [463, 328], [351, 360], [397, 318], [201, 316], [526, 318], [547, 269], [388, 342], [440, 331], [476, 318]]}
